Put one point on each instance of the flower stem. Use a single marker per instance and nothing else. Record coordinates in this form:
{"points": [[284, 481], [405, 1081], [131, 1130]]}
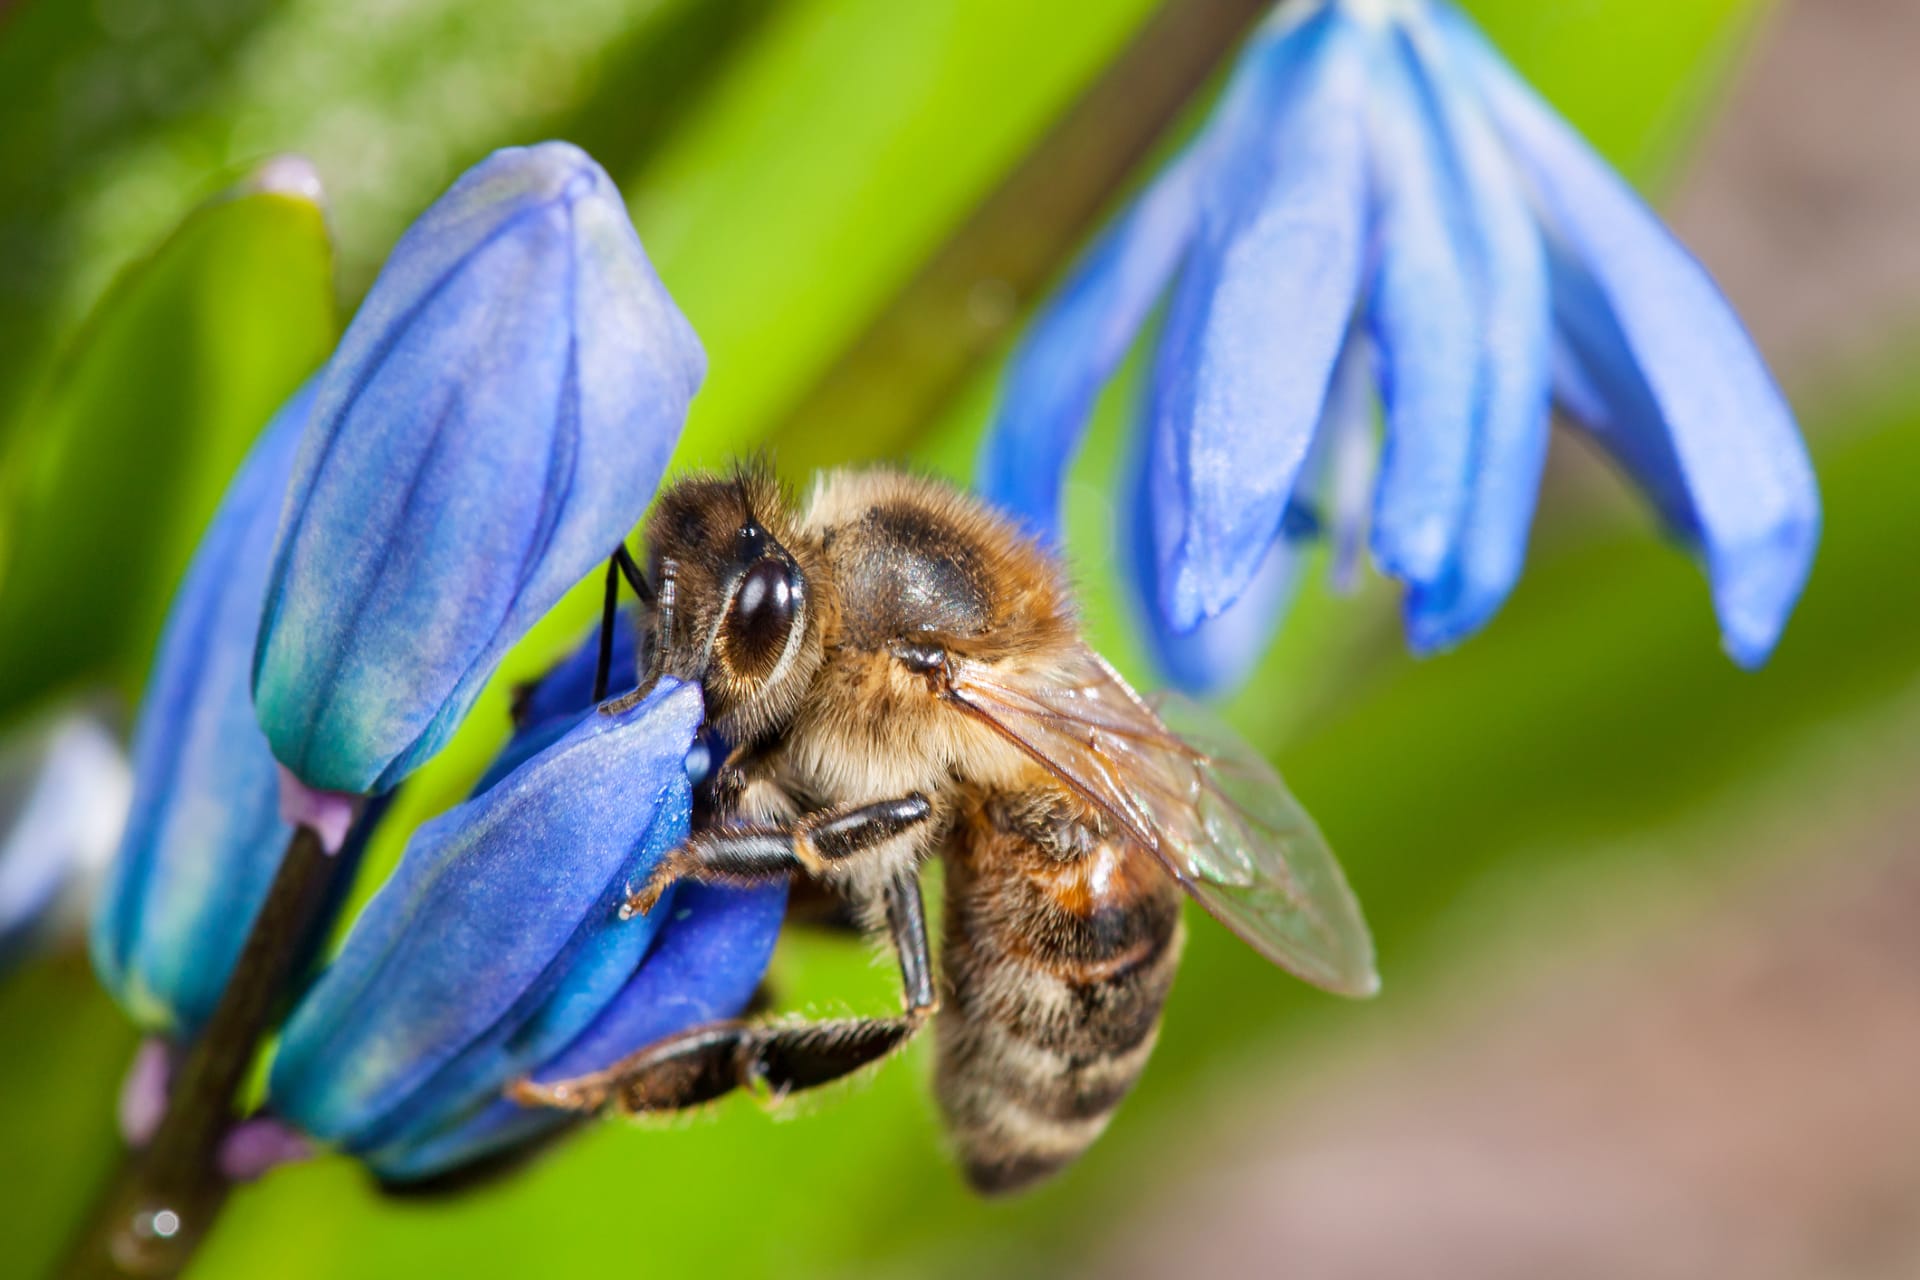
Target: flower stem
{"points": [[166, 1197]]}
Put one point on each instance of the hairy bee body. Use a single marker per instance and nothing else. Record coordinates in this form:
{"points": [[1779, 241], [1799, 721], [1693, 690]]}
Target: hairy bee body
{"points": [[897, 674], [1060, 940], [1061, 945]]}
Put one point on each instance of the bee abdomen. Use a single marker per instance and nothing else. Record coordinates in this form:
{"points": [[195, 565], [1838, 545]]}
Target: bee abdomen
{"points": [[1049, 1018], [1020, 1111]]}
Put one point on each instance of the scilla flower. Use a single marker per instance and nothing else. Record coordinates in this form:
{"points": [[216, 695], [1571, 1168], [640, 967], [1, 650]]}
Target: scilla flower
{"points": [[497, 949], [491, 427], [205, 832], [1378, 191], [493, 423]]}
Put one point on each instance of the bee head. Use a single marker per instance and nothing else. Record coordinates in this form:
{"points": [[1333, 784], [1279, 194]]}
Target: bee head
{"points": [[735, 610]]}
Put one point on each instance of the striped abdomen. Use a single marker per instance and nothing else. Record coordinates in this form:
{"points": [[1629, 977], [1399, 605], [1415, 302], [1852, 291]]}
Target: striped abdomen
{"points": [[1060, 948]]}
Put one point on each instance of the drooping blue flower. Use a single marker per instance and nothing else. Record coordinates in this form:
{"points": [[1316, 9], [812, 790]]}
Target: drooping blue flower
{"points": [[1377, 186], [204, 835], [702, 964], [493, 423], [497, 950]]}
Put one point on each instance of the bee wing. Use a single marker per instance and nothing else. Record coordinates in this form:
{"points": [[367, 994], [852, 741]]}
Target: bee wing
{"points": [[1208, 806]]}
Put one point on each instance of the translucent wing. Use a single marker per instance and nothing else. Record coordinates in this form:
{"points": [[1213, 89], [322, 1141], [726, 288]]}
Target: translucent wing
{"points": [[1209, 807]]}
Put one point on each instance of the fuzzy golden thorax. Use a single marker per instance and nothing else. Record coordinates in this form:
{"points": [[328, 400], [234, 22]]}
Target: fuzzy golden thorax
{"points": [[911, 559]]}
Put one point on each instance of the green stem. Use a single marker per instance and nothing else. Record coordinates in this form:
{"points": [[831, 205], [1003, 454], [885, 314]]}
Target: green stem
{"points": [[922, 346], [167, 1197]]}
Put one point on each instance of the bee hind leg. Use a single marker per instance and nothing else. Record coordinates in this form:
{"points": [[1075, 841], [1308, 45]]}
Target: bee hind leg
{"points": [[706, 1063]]}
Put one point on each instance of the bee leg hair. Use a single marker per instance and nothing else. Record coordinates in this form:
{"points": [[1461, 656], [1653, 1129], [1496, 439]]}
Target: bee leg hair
{"points": [[808, 845]]}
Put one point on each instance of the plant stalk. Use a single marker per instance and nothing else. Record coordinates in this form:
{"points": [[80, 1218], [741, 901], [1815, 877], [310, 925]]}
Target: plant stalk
{"points": [[166, 1198]]}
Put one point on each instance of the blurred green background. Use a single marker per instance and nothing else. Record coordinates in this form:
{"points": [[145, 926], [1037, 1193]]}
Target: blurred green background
{"points": [[1587, 775]]}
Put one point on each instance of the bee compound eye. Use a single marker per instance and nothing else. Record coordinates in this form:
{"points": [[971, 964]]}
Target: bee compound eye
{"points": [[761, 618]]}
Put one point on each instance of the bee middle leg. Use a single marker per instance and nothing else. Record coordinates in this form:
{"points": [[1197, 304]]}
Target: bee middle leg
{"points": [[809, 844], [709, 1062]]}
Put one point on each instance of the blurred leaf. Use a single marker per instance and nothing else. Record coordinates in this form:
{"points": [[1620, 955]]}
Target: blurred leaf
{"points": [[116, 467], [830, 161], [916, 353], [69, 1047], [118, 115], [85, 83]]}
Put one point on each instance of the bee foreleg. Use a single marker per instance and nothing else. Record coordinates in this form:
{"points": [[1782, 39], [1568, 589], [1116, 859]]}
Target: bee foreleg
{"points": [[809, 844], [709, 1062]]}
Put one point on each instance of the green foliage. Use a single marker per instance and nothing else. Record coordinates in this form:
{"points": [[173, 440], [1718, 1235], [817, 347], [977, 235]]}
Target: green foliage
{"points": [[114, 469]]}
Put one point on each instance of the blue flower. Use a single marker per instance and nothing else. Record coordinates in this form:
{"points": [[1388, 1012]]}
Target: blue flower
{"points": [[699, 962], [1377, 190], [205, 834], [490, 428], [704, 964], [493, 423], [497, 949]]}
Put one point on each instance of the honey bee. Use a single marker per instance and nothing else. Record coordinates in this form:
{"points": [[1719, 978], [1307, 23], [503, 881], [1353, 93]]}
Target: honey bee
{"points": [[900, 674]]}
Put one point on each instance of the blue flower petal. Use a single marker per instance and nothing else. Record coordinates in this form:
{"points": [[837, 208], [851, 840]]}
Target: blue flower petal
{"points": [[1072, 348], [1513, 323], [1218, 654], [497, 940], [204, 834], [711, 947], [703, 967], [1257, 319], [1425, 317], [1690, 408], [494, 421], [1344, 459]]}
